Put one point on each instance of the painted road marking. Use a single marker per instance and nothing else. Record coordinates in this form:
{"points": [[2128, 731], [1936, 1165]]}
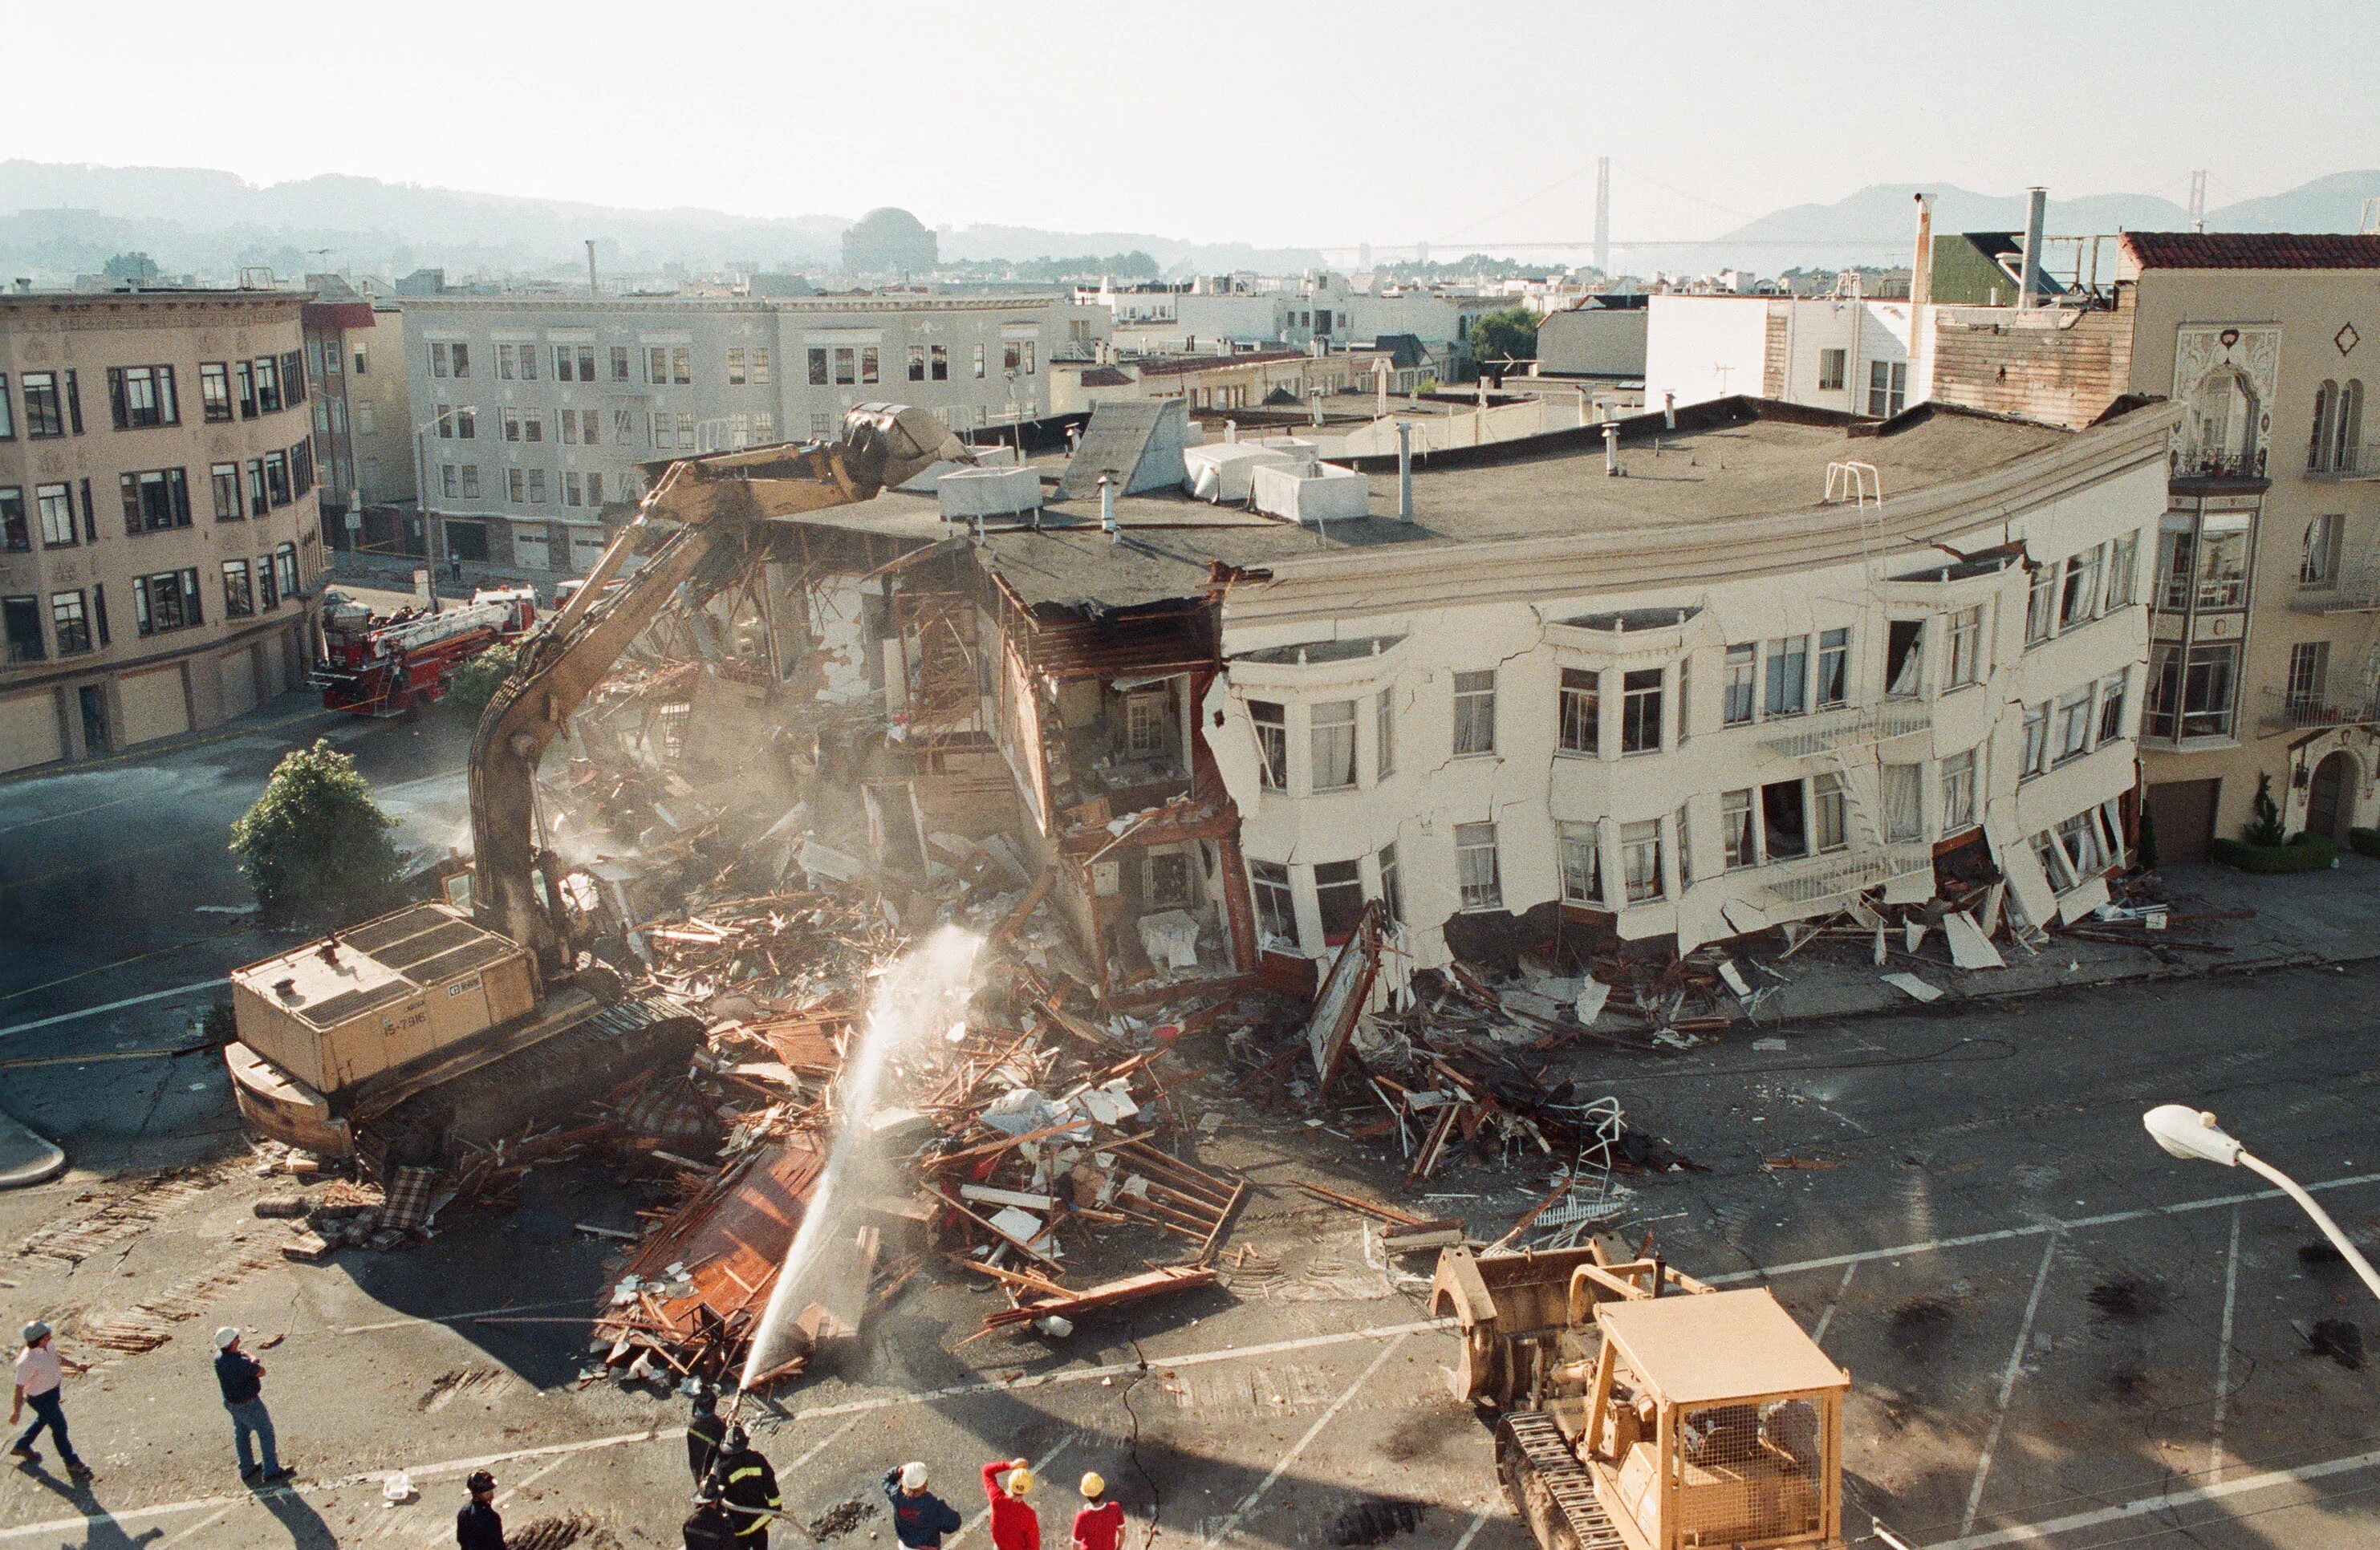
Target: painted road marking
{"points": [[2223, 1345], [1819, 1334], [1478, 1521], [2164, 1502], [190, 989], [2008, 1385], [1264, 1487]]}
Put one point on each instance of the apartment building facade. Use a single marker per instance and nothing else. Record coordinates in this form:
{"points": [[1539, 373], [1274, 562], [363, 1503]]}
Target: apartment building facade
{"points": [[160, 533], [1843, 353], [534, 413], [355, 355]]}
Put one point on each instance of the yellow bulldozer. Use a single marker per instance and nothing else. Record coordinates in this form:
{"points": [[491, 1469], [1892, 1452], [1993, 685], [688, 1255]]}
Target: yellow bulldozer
{"points": [[1638, 1409]]}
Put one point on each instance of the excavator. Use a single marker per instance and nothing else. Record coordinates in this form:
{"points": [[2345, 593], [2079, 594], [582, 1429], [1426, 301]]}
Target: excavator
{"points": [[1637, 1407], [409, 1038]]}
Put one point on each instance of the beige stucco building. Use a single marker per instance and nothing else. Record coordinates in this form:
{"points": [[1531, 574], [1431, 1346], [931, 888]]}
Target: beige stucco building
{"points": [[363, 443], [159, 533]]}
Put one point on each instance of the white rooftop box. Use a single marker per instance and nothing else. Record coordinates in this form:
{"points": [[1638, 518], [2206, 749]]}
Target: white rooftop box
{"points": [[1323, 493], [970, 493], [1220, 470]]}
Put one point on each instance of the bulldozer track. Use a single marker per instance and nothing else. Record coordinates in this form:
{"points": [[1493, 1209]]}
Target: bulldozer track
{"points": [[1550, 1488]]}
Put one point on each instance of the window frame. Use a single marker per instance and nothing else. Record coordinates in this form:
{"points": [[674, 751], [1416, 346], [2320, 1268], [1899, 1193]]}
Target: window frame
{"points": [[1469, 715], [1339, 729], [1475, 893], [1269, 721], [1578, 728]]}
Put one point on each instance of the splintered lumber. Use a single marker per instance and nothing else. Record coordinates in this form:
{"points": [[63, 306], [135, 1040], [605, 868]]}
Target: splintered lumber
{"points": [[1389, 1213], [1025, 908], [1107, 1294], [1019, 1244]]}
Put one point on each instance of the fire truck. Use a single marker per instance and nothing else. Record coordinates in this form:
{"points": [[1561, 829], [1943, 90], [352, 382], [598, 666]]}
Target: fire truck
{"points": [[387, 665]]}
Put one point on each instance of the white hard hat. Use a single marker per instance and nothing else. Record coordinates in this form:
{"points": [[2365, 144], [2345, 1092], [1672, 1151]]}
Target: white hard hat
{"points": [[228, 1337], [913, 1477]]}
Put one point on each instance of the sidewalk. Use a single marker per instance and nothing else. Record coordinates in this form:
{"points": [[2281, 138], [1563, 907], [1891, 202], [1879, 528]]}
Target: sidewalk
{"points": [[2309, 917], [25, 1158]]}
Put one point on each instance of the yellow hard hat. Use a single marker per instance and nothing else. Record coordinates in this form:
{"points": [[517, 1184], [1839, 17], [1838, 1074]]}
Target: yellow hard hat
{"points": [[1019, 1481], [1093, 1485]]}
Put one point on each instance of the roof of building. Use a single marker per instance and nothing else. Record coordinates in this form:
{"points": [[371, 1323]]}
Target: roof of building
{"points": [[1720, 1345], [2252, 249], [1104, 376], [1172, 366]]}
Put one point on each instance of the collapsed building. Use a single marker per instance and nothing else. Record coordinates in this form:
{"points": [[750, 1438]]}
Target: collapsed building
{"points": [[1658, 682]]}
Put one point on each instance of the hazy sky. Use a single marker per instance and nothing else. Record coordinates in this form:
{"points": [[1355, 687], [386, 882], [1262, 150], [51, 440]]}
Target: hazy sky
{"points": [[1279, 123]]}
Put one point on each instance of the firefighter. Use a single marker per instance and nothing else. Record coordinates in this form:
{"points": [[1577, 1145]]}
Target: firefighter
{"points": [[704, 1433], [748, 1487], [710, 1528]]}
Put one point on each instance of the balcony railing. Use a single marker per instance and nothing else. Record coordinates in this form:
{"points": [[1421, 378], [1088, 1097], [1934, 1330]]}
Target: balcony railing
{"points": [[2354, 463], [2354, 591], [2217, 463], [2285, 711], [1840, 875], [1859, 728]]}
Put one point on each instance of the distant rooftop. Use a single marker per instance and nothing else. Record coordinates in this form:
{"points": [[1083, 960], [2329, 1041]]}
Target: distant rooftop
{"points": [[2252, 249]]}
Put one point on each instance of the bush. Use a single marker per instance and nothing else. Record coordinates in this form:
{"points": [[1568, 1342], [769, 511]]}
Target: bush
{"points": [[2365, 840], [2304, 852], [316, 845], [2263, 826], [475, 682]]}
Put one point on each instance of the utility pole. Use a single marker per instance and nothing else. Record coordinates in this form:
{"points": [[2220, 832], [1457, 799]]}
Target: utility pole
{"points": [[1603, 215], [592, 288], [2198, 201]]}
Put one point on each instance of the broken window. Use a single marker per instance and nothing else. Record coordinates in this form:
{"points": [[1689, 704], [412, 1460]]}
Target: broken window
{"points": [[1330, 728], [1272, 743], [1640, 711], [1582, 865], [1789, 675], [1904, 803], [1782, 821], [1904, 658], [1966, 647], [1742, 843], [2111, 705], [1582, 711], [1827, 811], [1339, 895], [1384, 735], [2036, 757], [2079, 599], [1742, 680], [1958, 791], [2074, 723], [2054, 864], [2123, 567], [1685, 847], [1476, 871], [1640, 859], [2041, 605], [1834, 669], [1392, 893], [1475, 712], [1276, 908]]}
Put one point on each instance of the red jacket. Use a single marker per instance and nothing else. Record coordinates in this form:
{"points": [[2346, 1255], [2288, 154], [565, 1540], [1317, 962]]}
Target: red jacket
{"points": [[1015, 1526], [1099, 1527]]}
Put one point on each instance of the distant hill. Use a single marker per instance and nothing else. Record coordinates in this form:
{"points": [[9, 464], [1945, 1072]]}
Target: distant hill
{"points": [[63, 218], [2327, 204]]}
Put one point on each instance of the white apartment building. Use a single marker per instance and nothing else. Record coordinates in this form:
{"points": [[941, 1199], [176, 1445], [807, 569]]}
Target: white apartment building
{"points": [[1326, 310], [1844, 353], [532, 414], [1701, 706]]}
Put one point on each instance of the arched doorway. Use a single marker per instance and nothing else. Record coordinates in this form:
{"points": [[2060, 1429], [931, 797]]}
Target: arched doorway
{"points": [[2330, 800]]}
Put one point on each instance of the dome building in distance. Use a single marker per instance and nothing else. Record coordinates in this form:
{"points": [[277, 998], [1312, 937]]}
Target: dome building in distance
{"points": [[888, 241]]}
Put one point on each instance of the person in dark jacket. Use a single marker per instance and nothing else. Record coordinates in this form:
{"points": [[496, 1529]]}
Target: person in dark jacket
{"points": [[920, 1518], [241, 1377], [748, 1487], [476, 1526], [710, 1528], [703, 1434]]}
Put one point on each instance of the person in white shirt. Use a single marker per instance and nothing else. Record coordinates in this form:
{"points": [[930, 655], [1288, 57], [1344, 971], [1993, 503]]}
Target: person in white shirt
{"points": [[39, 1373]]}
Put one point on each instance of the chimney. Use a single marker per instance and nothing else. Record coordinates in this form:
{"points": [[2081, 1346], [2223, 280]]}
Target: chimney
{"points": [[1230, 432], [1668, 411], [1920, 262], [1610, 448], [592, 288], [1107, 509], [1404, 470], [2037, 212]]}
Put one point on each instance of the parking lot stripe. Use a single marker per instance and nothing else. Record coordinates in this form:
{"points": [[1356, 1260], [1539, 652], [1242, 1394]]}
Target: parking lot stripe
{"points": [[2164, 1501], [2223, 1345], [2008, 1385], [1478, 1521], [190, 989], [2031, 1230], [1264, 1487], [1818, 1332]]}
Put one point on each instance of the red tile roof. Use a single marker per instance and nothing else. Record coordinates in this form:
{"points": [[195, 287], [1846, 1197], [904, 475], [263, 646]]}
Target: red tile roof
{"points": [[2252, 250]]}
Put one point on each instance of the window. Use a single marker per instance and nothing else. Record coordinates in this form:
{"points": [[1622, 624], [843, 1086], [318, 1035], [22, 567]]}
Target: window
{"points": [[916, 363], [536, 487], [293, 377], [941, 359], [1010, 356], [1789, 673], [168, 600], [532, 426], [1827, 812], [2208, 680], [665, 431], [446, 472], [1276, 906], [1384, 735], [2072, 727], [301, 468], [276, 478], [2320, 565], [623, 425], [1685, 698], [868, 367], [2081, 599], [979, 363], [154, 501], [1740, 843], [470, 481], [511, 420], [1966, 647], [1904, 658], [466, 422], [1738, 688], [619, 363], [1959, 791], [257, 504], [70, 624], [2308, 673], [764, 428], [2041, 605], [504, 362], [1783, 824], [268, 384], [821, 427], [2035, 755], [1904, 803], [1582, 712], [1834, 669], [1475, 712], [586, 363], [1475, 872], [8, 412], [214, 391], [1640, 711], [1888, 387], [681, 364], [1833, 367], [1272, 743], [45, 406], [846, 365], [54, 505], [268, 596], [1582, 863], [685, 432], [284, 569], [362, 359], [594, 489], [657, 365], [736, 365], [239, 598], [2223, 560], [760, 364], [1392, 893], [1640, 859], [1032, 348], [141, 397], [20, 624], [1331, 737], [516, 486], [438, 363], [1685, 847], [1339, 896]]}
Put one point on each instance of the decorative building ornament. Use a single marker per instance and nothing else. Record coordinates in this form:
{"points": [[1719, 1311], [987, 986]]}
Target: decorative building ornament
{"points": [[2347, 339]]}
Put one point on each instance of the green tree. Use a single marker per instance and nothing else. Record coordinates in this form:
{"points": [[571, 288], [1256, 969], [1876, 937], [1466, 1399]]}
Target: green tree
{"points": [[474, 684], [316, 845], [1512, 333], [135, 266], [2263, 826]]}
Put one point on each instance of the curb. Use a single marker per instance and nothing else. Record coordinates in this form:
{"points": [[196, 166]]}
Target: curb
{"points": [[27, 1158]]}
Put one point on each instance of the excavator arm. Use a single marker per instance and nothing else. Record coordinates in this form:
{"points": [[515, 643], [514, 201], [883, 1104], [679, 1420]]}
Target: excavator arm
{"points": [[716, 504]]}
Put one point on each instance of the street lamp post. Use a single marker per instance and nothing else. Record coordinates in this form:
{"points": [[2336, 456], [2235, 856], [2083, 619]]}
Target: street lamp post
{"points": [[2190, 1133]]}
